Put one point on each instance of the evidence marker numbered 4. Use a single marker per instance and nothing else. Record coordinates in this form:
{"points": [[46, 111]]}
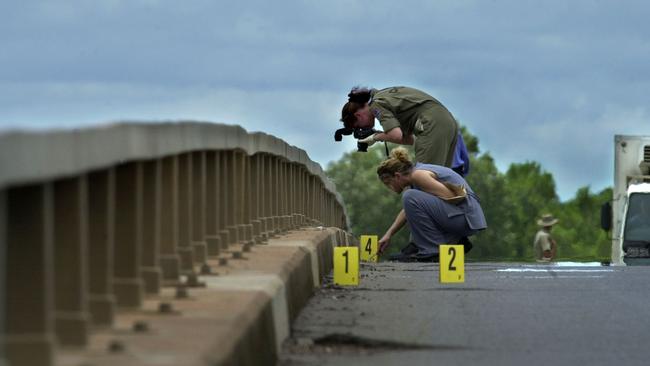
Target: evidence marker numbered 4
{"points": [[346, 266], [369, 248], [452, 263]]}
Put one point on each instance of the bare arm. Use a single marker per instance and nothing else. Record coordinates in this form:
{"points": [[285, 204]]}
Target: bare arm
{"points": [[395, 135], [399, 222], [427, 182]]}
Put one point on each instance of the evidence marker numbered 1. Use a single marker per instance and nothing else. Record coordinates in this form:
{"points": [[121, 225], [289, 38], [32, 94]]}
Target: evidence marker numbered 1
{"points": [[452, 263], [346, 266], [369, 248]]}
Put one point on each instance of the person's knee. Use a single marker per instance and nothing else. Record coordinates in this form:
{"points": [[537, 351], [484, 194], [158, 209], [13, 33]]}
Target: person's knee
{"points": [[411, 197]]}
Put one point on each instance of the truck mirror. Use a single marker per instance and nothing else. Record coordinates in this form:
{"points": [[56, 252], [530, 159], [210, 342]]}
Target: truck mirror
{"points": [[606, 216]]}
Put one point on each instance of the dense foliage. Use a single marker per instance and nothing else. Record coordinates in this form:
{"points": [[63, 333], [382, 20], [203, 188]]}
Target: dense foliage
{"points": [[512, 202]]}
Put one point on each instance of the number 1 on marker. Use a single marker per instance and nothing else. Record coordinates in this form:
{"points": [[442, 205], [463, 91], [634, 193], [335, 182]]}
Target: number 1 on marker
{"points": [[346, 266], [452, 263], [369, 248]]}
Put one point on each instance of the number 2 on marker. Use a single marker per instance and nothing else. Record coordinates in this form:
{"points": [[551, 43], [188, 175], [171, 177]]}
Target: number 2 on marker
{"points": [[346, 266], [369, 248], [452, 263]]}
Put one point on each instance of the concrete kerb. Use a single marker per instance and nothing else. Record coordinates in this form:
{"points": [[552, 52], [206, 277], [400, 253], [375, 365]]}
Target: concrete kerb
{"points": [[242, 316]]}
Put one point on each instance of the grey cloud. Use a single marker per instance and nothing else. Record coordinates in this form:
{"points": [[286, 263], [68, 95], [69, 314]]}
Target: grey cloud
{"points": [[527, 77]]}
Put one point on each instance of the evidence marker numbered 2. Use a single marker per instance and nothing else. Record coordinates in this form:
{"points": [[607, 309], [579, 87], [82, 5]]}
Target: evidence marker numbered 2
{"points": [[452, 264], [369, 248], [346, 266]]}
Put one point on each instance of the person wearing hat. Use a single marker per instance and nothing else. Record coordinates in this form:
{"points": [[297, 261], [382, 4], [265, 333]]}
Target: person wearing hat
{"points": [[408, 116], [545, 247]]}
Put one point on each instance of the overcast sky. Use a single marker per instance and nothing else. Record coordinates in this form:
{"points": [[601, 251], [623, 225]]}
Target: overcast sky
{"points": [[549, 81]]}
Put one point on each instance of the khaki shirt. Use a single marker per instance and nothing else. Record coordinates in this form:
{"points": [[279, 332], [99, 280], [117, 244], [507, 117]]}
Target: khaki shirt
{"points": [[542, 243], [400, 106]]}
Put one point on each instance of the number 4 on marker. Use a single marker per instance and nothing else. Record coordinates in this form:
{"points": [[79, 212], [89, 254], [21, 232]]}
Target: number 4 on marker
{"points": [[452, 263], [368, 248]]}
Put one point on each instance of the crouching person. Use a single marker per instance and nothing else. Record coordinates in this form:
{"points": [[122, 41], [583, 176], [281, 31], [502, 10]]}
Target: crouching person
{"points": [[438, 204]]}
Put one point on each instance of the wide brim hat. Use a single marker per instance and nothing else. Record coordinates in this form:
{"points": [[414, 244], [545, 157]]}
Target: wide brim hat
{"points": [[547, 220]]}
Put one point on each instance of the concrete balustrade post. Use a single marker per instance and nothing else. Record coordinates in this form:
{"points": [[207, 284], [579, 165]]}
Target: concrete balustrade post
{"points": [[199, 246], [29, 273], [127, 281], [254, 183], [290, 195], [282, 202], [101, 214], [169, 257], [281, 191], [285, 187], [289, 189], [241, 205], [234, 209], [271, 195], [302, 185], [212, 225], [261, 197], [246, 197], [331, 210], [184, 248], [151, 217], [225, 197], [321, 204], [293, 196], [265, 199], [312, 199], [279, 197], [303, 196], [71, 315]]}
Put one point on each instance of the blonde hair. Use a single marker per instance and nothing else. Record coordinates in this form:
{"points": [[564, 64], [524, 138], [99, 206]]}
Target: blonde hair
{"points": [[398, 162]]}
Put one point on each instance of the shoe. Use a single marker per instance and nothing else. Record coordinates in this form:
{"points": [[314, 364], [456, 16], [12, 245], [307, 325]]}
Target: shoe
{"points": [[406, 254], [434, 258], [401, 257], [409, 249], [466, 243], [413, 257]]}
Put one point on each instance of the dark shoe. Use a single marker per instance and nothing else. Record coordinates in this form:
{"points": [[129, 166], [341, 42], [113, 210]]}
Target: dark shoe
{"points": [[409, 249], [401, 257], [434, 258], [466, 243]]}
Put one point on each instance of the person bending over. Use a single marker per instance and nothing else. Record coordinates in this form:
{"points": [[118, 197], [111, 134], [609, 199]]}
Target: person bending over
{"points": [[408, 116], [438, 204]]}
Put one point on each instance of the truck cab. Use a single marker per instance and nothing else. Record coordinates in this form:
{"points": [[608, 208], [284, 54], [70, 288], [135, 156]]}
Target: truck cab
{"points": [[636, 224], [629, 214]]}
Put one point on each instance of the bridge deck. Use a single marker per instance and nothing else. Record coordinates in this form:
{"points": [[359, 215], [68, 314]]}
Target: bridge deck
{"points": [[504, 314]]}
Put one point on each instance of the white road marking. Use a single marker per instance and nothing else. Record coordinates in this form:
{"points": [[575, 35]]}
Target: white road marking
{"points": [[554, 270]]}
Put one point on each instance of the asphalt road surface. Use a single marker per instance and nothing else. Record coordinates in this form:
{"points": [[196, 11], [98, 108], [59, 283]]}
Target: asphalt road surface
{"points": [[504, 314]]}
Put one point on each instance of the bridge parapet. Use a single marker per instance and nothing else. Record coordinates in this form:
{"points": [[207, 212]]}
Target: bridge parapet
{"points": [[97, 219]]}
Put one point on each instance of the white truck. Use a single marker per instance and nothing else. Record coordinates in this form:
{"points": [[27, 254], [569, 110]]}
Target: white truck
{"points": [[628, 216]]}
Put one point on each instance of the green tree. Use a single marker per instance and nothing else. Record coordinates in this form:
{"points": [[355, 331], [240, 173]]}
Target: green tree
{"points": [[531, 192], [578, 233]]}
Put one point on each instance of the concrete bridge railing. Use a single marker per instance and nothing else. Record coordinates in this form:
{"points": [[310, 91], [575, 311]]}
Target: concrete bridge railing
{"points": [[96, 219]]}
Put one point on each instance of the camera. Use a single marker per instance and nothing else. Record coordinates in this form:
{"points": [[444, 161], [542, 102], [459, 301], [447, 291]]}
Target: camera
{"points": [[358, 133]]}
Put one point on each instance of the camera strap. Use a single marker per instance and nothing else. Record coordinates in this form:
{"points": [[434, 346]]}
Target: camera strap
{"points": [[386, 146]]}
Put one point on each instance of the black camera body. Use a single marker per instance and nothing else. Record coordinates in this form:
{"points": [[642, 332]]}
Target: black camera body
{"points": [[358, 133]]}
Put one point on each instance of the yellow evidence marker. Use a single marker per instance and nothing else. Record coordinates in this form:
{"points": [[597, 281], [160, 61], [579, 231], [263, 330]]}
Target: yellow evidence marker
{"points": [[346, 266], [452, 264], [369, 248]]}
